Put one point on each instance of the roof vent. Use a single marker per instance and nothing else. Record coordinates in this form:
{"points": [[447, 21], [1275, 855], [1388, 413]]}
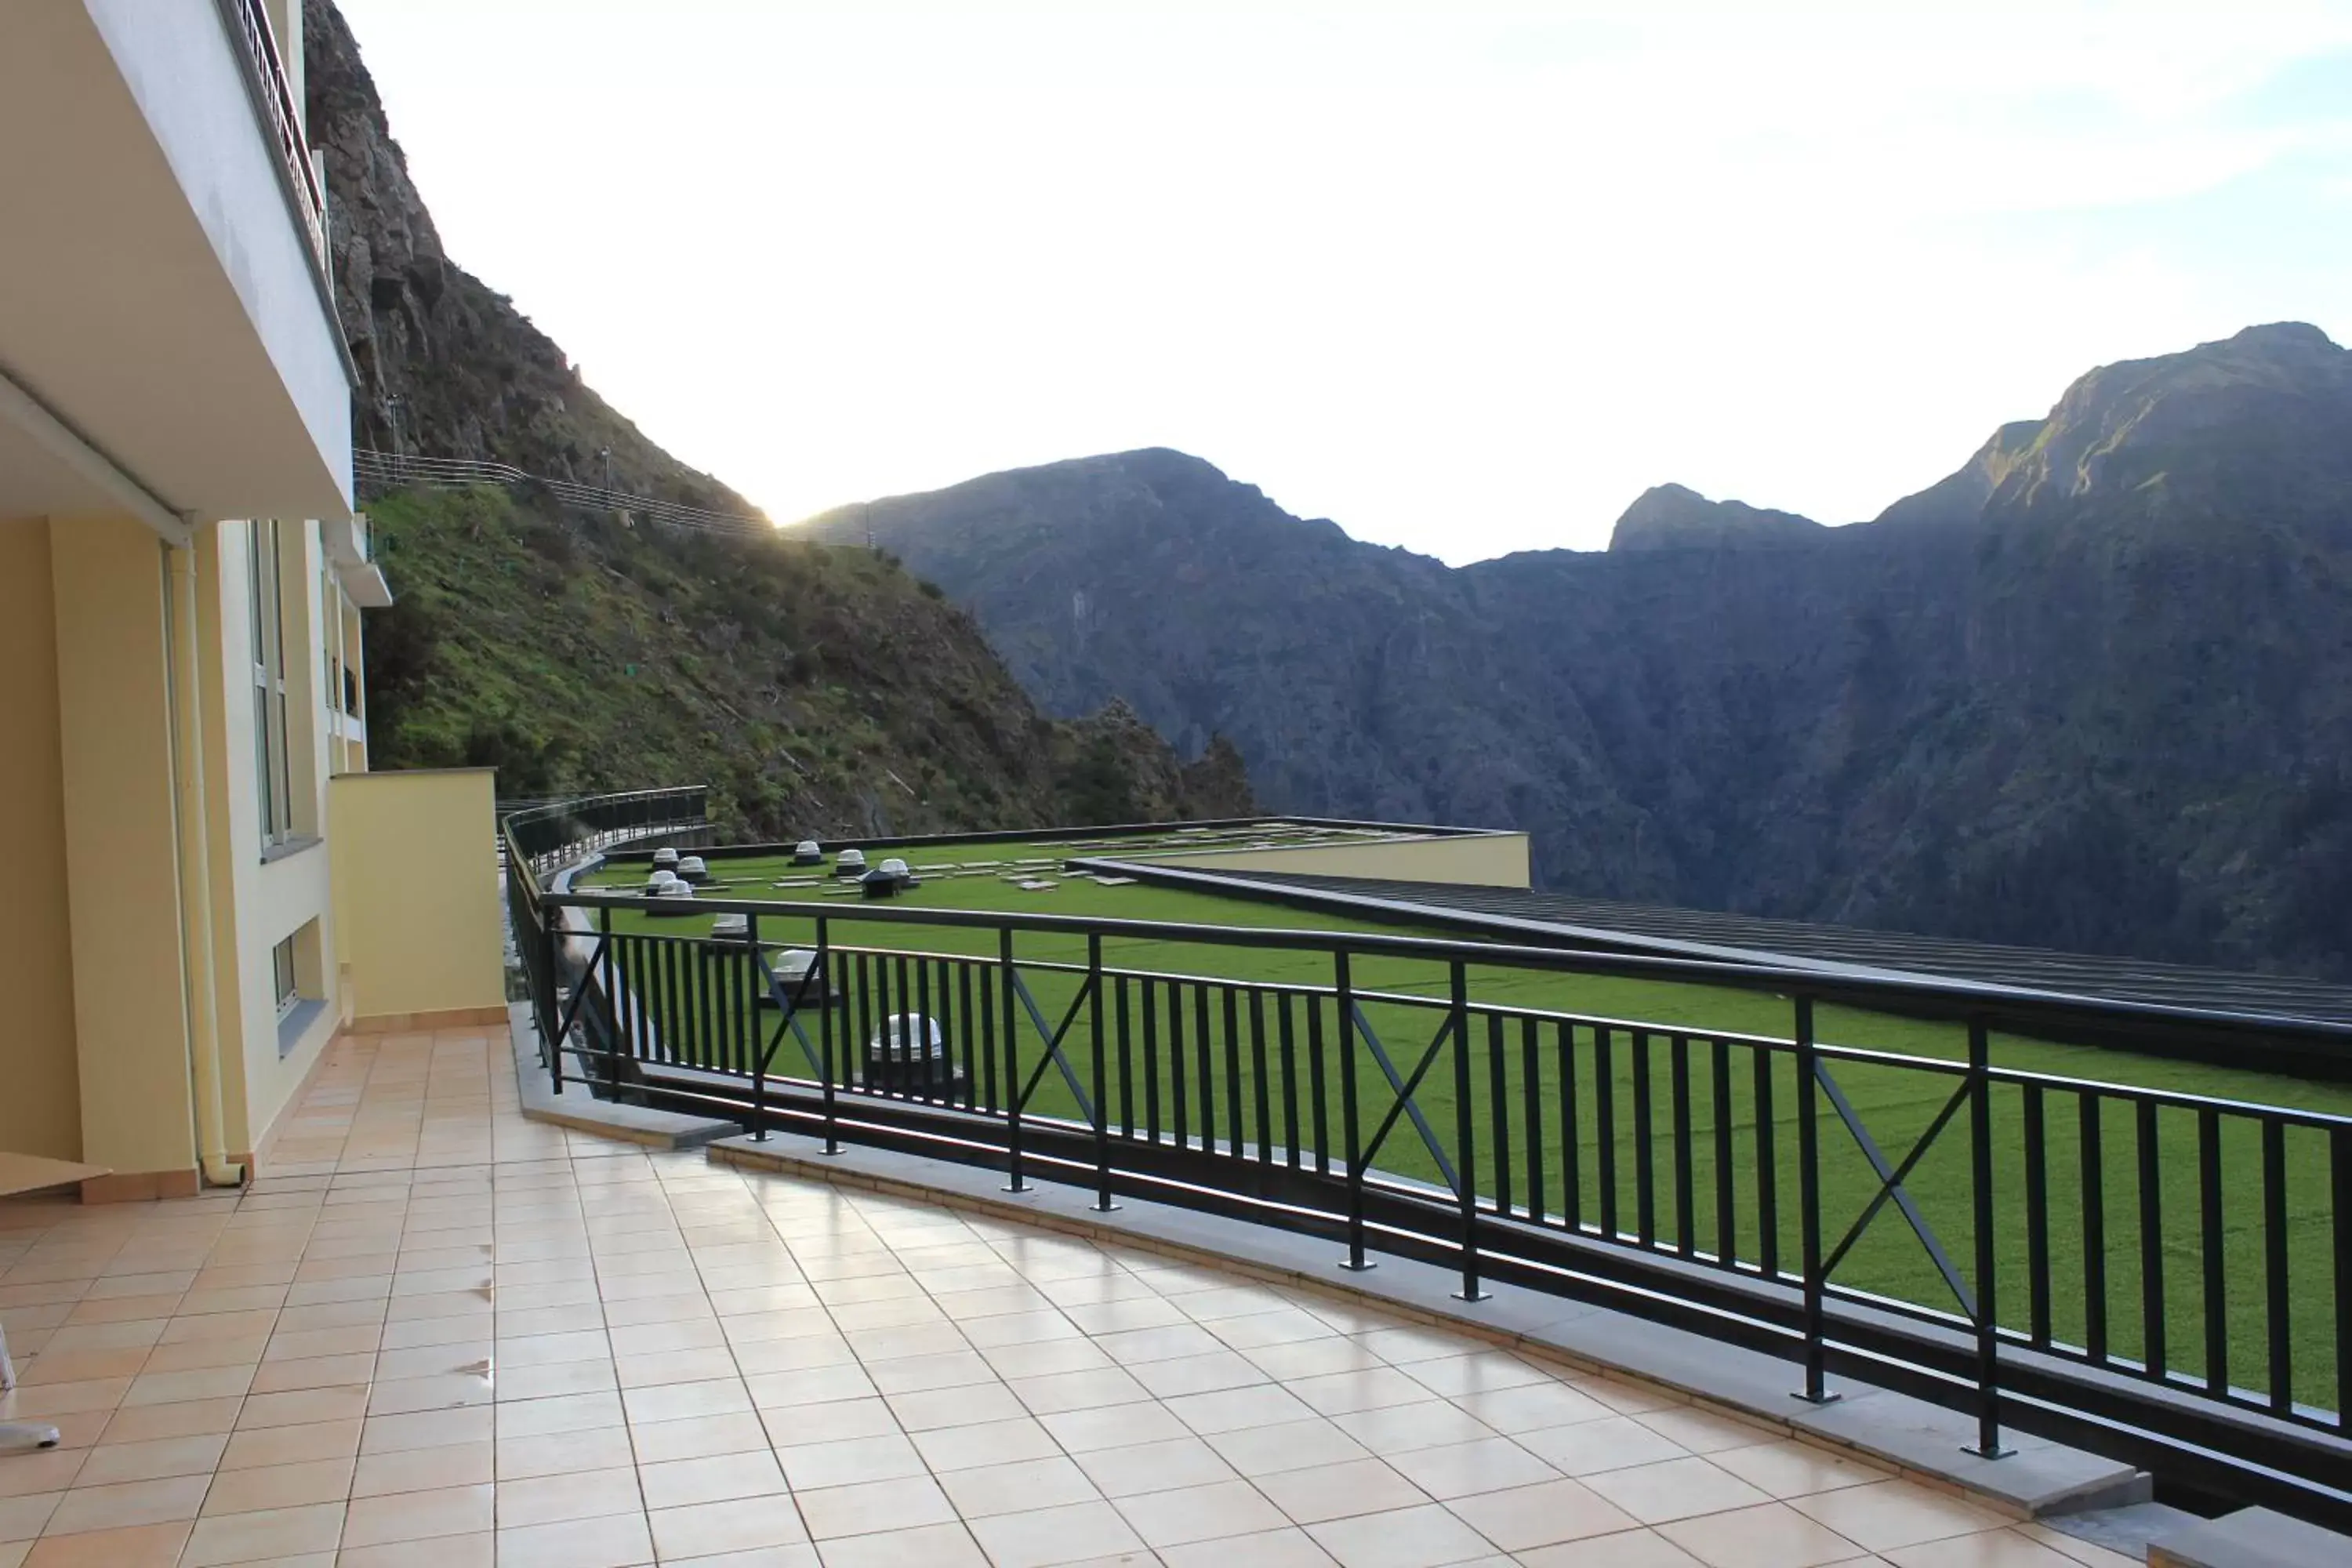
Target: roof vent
{"points": [[666, 859], [850, 863], [692, 869], [807, 853]]}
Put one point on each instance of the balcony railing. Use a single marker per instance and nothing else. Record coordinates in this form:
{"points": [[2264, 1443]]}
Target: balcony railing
{"points": [[2163, 1277], [282, 117]]}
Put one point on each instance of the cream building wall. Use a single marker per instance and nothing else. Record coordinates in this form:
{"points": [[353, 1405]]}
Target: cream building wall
{"points": [[418, 893], [41, 1111]]}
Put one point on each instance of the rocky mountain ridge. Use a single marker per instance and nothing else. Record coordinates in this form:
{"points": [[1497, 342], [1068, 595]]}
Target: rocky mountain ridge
{"points": [[2088, 691], [816, 690]]}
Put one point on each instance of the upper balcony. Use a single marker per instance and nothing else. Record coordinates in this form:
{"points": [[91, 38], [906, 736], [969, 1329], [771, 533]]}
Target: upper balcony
{"points": [[168, 340]]}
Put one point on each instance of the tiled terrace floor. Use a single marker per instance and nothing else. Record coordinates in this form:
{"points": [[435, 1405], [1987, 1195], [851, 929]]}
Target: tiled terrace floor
{"points": [[439, 1334]]}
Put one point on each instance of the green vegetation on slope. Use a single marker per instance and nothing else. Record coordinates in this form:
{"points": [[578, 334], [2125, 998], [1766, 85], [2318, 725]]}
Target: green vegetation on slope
{"points": [[816, 690]]}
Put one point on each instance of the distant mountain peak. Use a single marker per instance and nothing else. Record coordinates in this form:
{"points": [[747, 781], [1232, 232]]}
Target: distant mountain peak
{"points": [[1675, 517]]}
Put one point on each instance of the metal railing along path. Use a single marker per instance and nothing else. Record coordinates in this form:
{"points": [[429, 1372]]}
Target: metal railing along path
{"points": [[2162, 1276], [390, 470]]}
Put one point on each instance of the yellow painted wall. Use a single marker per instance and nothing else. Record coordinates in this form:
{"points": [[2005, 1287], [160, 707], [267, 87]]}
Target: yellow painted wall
{"points": [[121, 860], [416, 890], [41, 1111], [1480, 860]]}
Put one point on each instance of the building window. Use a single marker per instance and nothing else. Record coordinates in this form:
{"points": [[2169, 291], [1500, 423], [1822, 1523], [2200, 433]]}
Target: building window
{"points": [[274, 781], [281, 978]]}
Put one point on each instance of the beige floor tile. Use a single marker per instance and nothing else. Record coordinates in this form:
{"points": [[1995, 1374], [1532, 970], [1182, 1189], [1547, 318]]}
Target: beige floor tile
{"points": [[291, 1445], [622, 1541], [1288, 1547], [423, 1469], [1200, 1513], [957, 1406], [1772, 1536], [161, 1501], [2082, 1552], [1628, 1549], [421, 1516], [134, 1546], [699, 1437], [430, 1429], [1707, 1431], [257, 1537], [870, 1506], [1794, 1469], [1541, 1514], [24, 1473], [1321, 1493], [1674, 1488], [850, 1460], [577, 1494], [475, 1550], [1990, 1549], [1044, 1537], [1888, 1514], [1154, 1467], [946, 1448], [829, 1421], [1587, 1447], [279, 1486], [1019, 1485], [560, 1453], [927, 1546], [717, 1479], [1407, 1538], [1290, 1445], [737, 1525], [1461, 1469]]}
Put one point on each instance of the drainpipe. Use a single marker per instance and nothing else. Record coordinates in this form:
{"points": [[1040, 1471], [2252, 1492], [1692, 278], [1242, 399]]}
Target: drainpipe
{"points": [[202, 995]]}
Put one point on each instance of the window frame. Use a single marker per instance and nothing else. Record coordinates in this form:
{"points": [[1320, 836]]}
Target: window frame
{"points": [[273, 753]]}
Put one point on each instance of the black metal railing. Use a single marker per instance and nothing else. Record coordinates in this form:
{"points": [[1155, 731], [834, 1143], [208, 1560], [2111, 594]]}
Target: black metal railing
{"points": [[2161, 1275], [282, 117]]}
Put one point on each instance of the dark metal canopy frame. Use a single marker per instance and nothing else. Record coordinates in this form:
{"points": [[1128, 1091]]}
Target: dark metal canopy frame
{"points": [[2085, 1261]]}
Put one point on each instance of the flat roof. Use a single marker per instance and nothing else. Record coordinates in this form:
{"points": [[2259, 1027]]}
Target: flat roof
{"points": [[1706, 933]]}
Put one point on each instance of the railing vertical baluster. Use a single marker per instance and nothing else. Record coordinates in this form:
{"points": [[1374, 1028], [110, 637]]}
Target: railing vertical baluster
{"points": [[1727, 1208], [1768, 1165], [2153, 1356], [1149, 1003], [1263, 1092], [988, 1054], [2037, 1219], [756, 1034], [1988, 1324], [1646, 1191], [1604, 1102], [1237, 1133], [968, 1034], [1101, 1095], [607, 960], [1180, 1096], [1345, 992], [821, 972], [1122, 1028], [2089, 1115], [1685, 1209], [1531, 1099], [1465, 1152], [1498, 1114], [919, 1072], [1808, 1204], [914, 1036], [550, 922], [1572, 1137], [2217, 1304], [2340, 1210], [1290, 1043], [1204, 1058], [1015, 1184], [2277, 1302], [1318, 1096]]}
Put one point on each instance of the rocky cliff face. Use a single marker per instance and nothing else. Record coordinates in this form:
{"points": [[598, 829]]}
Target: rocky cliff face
{"points": [[1671, 517], [817, 690], [2090, 691]]}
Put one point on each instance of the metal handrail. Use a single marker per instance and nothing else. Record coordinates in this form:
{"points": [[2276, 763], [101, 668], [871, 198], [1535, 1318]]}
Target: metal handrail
{"points": [[390, 468], [282, 117], [1713, 1179]]}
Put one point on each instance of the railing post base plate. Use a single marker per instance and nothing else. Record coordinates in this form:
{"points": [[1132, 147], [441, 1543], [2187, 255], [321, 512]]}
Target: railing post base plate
{"points": [[1826, 1397], [1474, 1295], [1983, 1453], [1357, 1266], [1106, 1208]]}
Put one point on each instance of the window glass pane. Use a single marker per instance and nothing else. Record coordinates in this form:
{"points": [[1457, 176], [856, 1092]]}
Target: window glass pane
{"points": [[281, 964]]}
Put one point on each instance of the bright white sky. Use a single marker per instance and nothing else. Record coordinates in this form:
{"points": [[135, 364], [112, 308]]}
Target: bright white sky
{"points": [[1465, 277]]}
